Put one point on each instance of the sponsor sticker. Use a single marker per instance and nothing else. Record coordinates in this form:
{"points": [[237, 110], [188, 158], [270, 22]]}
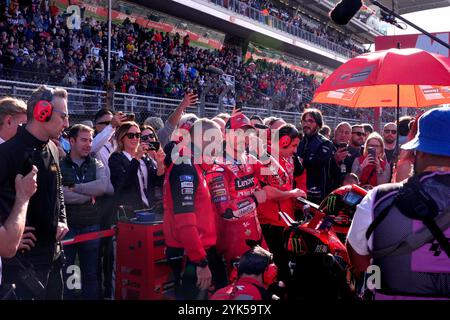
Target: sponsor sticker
{"points": [[187, 184], [187, 191], [244, 182], [220, 199], [186, 178], [188, 203]]}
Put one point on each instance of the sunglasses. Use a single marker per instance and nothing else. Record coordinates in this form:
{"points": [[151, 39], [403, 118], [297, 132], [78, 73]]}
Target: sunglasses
{"points": [[387, 131], [106, 123], [132, 135], [148, 136], [360, 134]]}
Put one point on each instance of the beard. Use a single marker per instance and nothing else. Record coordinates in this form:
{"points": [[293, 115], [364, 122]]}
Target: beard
{"points": [[389, 140]]}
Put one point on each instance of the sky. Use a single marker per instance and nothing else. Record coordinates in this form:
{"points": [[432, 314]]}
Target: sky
{"points": [[434, 20]]}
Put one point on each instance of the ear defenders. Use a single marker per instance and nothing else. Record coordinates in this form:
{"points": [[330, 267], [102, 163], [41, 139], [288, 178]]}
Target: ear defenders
{"points": [[285, 141], [43, 109], [288, 137]]}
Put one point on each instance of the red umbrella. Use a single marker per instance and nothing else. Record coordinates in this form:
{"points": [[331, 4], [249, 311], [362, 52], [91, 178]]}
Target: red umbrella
{"points": [[389, 78]]}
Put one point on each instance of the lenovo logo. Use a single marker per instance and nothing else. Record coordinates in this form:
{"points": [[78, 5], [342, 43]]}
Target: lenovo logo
{"points": [[244, 182]]}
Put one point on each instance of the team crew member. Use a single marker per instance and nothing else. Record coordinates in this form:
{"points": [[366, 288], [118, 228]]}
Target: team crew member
{"points": [[234, 190], [316, 152], [47, 117], [282, 178], [404, 228], [190, 222], [250, 284]]}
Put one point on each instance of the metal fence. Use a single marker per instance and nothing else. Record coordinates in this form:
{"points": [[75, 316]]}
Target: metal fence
{"points": [[84, 103], [255, 14]]}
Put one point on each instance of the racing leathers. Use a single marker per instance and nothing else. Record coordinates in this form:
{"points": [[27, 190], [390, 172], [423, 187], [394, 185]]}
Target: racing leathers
{"points": [[316, 152], [232, 185]]}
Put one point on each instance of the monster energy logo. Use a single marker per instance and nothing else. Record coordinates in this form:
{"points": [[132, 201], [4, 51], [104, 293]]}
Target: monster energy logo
{"points": [[331, 203]]}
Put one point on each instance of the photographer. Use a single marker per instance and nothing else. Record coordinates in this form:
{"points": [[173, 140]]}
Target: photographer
{"points": [[133, 175], [372, 168], [37, 273]]}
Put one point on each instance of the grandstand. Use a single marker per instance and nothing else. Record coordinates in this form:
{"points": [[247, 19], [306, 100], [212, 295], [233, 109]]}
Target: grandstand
{"points": [[156, 56]]}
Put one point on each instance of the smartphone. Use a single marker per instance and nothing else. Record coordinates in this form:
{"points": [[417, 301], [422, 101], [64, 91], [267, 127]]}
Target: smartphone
{"points": [[153, 145], [342, 146], [131, 116], [373, 153]]}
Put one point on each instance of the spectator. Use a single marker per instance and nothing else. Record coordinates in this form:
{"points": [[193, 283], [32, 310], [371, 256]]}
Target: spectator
{"points": [[342, 134], [349, 179], [133, 176], [84, 179], [390, 142], [372, 168], [325, 131], [403, 128], [368, 129], [155, 122], [46, 210], [13, 113]]}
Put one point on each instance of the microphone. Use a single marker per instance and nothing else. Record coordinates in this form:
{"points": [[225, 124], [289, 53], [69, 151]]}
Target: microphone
{"points": [[344, 11]]}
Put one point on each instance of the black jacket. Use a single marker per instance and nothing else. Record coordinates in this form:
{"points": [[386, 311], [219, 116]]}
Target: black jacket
{"points": [[46, 207], [317, 154], [125, 180]]}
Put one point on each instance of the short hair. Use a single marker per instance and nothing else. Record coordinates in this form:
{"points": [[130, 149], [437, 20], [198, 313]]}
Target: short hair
{"points": [[367, 127], [403, 125], [254, 261], [43, 93], [256, 117], [155, 122], [316, 114], [288, 130], [353, 176], [10, 107], [188, 117], [224, 116], [389, 124], [343, 123], [325, 130], [360, 126], [269, 120], [76, 129], [205, 124], [100, 113], [121, 132]]}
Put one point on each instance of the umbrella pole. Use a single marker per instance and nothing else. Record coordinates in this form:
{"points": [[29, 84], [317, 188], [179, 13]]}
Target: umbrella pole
{"points": [[397, 146]]}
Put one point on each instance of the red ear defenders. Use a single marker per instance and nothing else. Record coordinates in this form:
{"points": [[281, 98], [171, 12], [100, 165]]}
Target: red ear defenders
{"points": [[43, 109], [285, 141]]}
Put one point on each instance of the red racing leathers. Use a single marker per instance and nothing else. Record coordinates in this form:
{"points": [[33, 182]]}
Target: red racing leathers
{"points": [[281, 178], [189, 217], [232, 187]]}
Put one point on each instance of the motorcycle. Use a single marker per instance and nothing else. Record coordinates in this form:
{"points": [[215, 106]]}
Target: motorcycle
{"points": [[318, 259]]}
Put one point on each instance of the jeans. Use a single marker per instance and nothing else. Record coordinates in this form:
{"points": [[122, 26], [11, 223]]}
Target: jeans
{"points": [[88, 253]]}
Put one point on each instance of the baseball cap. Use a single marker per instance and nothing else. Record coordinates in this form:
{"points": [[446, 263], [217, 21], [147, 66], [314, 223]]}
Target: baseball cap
{"points": [[238, 121], [431, 137]]}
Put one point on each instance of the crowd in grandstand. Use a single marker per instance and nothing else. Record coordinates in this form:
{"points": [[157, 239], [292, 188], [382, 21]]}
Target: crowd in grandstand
{"points": [[292, 18]]}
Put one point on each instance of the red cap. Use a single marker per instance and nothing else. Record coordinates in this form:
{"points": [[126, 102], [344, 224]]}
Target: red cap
{"points": [[238, 121]]}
